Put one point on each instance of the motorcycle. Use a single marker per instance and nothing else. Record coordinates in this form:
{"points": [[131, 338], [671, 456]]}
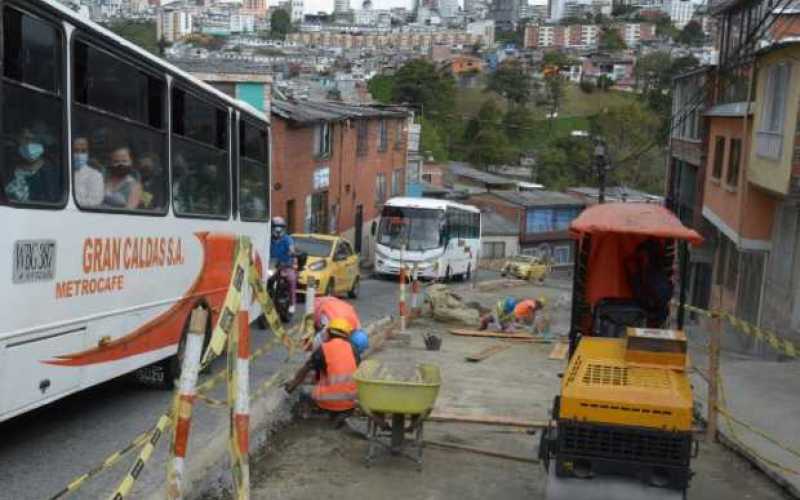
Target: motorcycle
{"points": [[279, 289]]}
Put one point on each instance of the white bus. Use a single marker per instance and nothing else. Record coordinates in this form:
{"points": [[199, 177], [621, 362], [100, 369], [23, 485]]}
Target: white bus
{"points": [[124, 183], [442, 238]]}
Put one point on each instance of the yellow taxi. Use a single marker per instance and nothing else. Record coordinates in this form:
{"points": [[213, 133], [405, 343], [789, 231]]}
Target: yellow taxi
{"points": [[331, 261], [526, 268]]}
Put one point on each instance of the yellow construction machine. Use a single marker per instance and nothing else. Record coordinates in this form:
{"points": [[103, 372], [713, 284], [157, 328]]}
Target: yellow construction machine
{"points": [[623, 417]]}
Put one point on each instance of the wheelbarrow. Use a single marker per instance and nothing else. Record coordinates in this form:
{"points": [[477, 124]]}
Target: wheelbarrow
{"points": [[396, 407]]}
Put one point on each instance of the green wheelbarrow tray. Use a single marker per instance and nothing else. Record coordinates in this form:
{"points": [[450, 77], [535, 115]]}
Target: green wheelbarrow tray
{"points": [[379, 394]]}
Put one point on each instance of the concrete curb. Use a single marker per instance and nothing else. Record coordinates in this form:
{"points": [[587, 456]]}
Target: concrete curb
{"points": [[208, 467]]}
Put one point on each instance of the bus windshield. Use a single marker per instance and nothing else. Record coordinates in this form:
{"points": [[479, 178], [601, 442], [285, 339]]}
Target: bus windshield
{"points": [[417, 228]]}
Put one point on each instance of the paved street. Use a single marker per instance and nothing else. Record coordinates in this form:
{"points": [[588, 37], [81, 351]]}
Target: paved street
{"points": [[40, 452]]}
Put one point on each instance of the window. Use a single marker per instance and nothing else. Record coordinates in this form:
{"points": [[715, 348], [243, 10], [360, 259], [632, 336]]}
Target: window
{"points": [[200, 157], [343, 251], [561, 254], [362, 139], [380, 188], [397, 182], [773, 112], [493, 250], [719, 157], [253, 172], [398, 135], [734, 160], [32, 169], [118, 132], [383, 142], [544, 220], [322, 140]]}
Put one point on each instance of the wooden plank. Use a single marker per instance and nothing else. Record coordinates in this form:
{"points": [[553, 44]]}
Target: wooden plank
{"points": [[513, 337], [492, 349], [559, 351], [444, 416]]}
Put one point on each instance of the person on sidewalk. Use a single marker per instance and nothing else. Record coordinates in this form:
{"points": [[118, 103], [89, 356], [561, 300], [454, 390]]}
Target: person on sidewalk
{"points": [[510, 314], [327, 309], [335, 363], [502, 317]]}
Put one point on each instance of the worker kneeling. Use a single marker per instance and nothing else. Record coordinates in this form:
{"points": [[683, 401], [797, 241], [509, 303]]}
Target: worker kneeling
{"points": [[509, 314], [334, 361]]}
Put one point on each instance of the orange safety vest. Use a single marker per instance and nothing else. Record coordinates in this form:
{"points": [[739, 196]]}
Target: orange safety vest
{"points": [[336, 389], [525, 309]]}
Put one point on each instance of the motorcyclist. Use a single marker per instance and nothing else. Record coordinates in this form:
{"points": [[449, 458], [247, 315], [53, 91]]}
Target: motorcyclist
{"points": [[282, 253]]}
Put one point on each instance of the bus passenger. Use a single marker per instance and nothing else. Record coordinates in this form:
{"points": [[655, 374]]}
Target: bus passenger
{"points": [[89, 185], [152, 177], [33, 178], [122, 188]]}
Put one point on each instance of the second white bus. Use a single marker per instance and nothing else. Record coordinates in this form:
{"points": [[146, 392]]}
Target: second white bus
{"points": [[440, 237]]}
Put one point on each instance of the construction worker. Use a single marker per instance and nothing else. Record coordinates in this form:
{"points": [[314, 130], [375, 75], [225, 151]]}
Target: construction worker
{"points": [[326, 309], [334, 362], [502, 316], [525, 311]]}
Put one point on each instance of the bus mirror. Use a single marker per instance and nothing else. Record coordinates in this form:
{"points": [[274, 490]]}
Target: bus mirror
{"points": [[373, 228]]}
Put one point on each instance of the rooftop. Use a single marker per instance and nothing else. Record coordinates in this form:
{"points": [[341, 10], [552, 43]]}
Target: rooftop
{"points": [[617, 193], [307, 112], [537, 198], [465, 170]]}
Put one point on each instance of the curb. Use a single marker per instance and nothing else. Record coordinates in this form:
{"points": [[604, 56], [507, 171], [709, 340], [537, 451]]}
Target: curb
{"points": [[207, 469]]}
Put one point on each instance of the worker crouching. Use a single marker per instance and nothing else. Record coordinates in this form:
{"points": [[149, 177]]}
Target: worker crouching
{"points": [[509, 314], [335, 362]]}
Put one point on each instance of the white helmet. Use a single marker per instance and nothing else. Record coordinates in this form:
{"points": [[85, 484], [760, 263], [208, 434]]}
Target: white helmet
{"points": [[278, 227]]}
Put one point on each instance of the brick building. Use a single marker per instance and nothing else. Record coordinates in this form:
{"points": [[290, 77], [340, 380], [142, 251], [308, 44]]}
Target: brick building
{"points": [[333, 166], [584, 35]]}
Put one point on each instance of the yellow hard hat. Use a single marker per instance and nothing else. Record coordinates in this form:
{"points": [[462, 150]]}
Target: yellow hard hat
{"points": [[341, 326], [542, 300]]}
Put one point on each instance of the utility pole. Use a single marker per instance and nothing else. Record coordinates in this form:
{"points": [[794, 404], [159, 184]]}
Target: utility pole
{"points": [[601, 165]]}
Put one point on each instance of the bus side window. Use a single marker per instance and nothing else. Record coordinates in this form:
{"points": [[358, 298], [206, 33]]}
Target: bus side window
{"points": [[119, 137], [32, 170], [200, 176], [253, 172]]}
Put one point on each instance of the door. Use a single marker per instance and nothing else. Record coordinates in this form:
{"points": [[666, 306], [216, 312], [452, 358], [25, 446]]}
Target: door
{"points": [[359, 226]]}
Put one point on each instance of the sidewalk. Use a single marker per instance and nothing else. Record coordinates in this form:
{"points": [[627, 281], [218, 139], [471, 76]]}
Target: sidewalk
{"points": [[311, 459], [762, 393]]}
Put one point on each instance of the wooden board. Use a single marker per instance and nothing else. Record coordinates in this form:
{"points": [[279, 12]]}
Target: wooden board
{"points": [[445, 416], [559, 351], [498, 335], [492, 349]]}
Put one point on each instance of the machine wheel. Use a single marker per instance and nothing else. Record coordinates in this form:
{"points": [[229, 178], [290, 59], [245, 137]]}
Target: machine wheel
{"points": [[331, 288], [353, 293]]}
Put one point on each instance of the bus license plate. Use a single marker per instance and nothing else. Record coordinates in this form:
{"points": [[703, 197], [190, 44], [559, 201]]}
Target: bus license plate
{"points": [[34, 260]]}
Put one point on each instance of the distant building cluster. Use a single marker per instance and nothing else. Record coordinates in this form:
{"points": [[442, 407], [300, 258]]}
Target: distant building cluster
{"points": [[404, 40], [578, 36]]}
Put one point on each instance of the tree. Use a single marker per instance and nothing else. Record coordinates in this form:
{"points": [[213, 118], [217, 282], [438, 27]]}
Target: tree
{"points": [[142, 33], [431, 142], [420, 83], [208, 42], [518, 123], [280, 23], [557, 58], [554, 90], [692, 34], [485, 139], [611, 39], [665, 28], [586, 86], [380, 88], [628, 132], [511, 81]]}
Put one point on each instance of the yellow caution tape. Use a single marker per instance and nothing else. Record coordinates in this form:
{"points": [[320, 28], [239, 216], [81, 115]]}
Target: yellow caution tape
{"points": [[124, 488], [230, 307], [782, 345]]}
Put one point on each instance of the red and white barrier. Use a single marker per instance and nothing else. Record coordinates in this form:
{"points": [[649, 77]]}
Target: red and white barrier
{"points": [[184, 399]]}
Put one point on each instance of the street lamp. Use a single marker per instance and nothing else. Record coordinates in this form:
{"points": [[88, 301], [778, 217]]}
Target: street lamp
{"points": [[599, 161]]}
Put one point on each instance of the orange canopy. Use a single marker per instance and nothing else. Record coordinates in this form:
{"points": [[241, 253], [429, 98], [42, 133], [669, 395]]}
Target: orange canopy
{"points": [[642, 219], [617, 229]]}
